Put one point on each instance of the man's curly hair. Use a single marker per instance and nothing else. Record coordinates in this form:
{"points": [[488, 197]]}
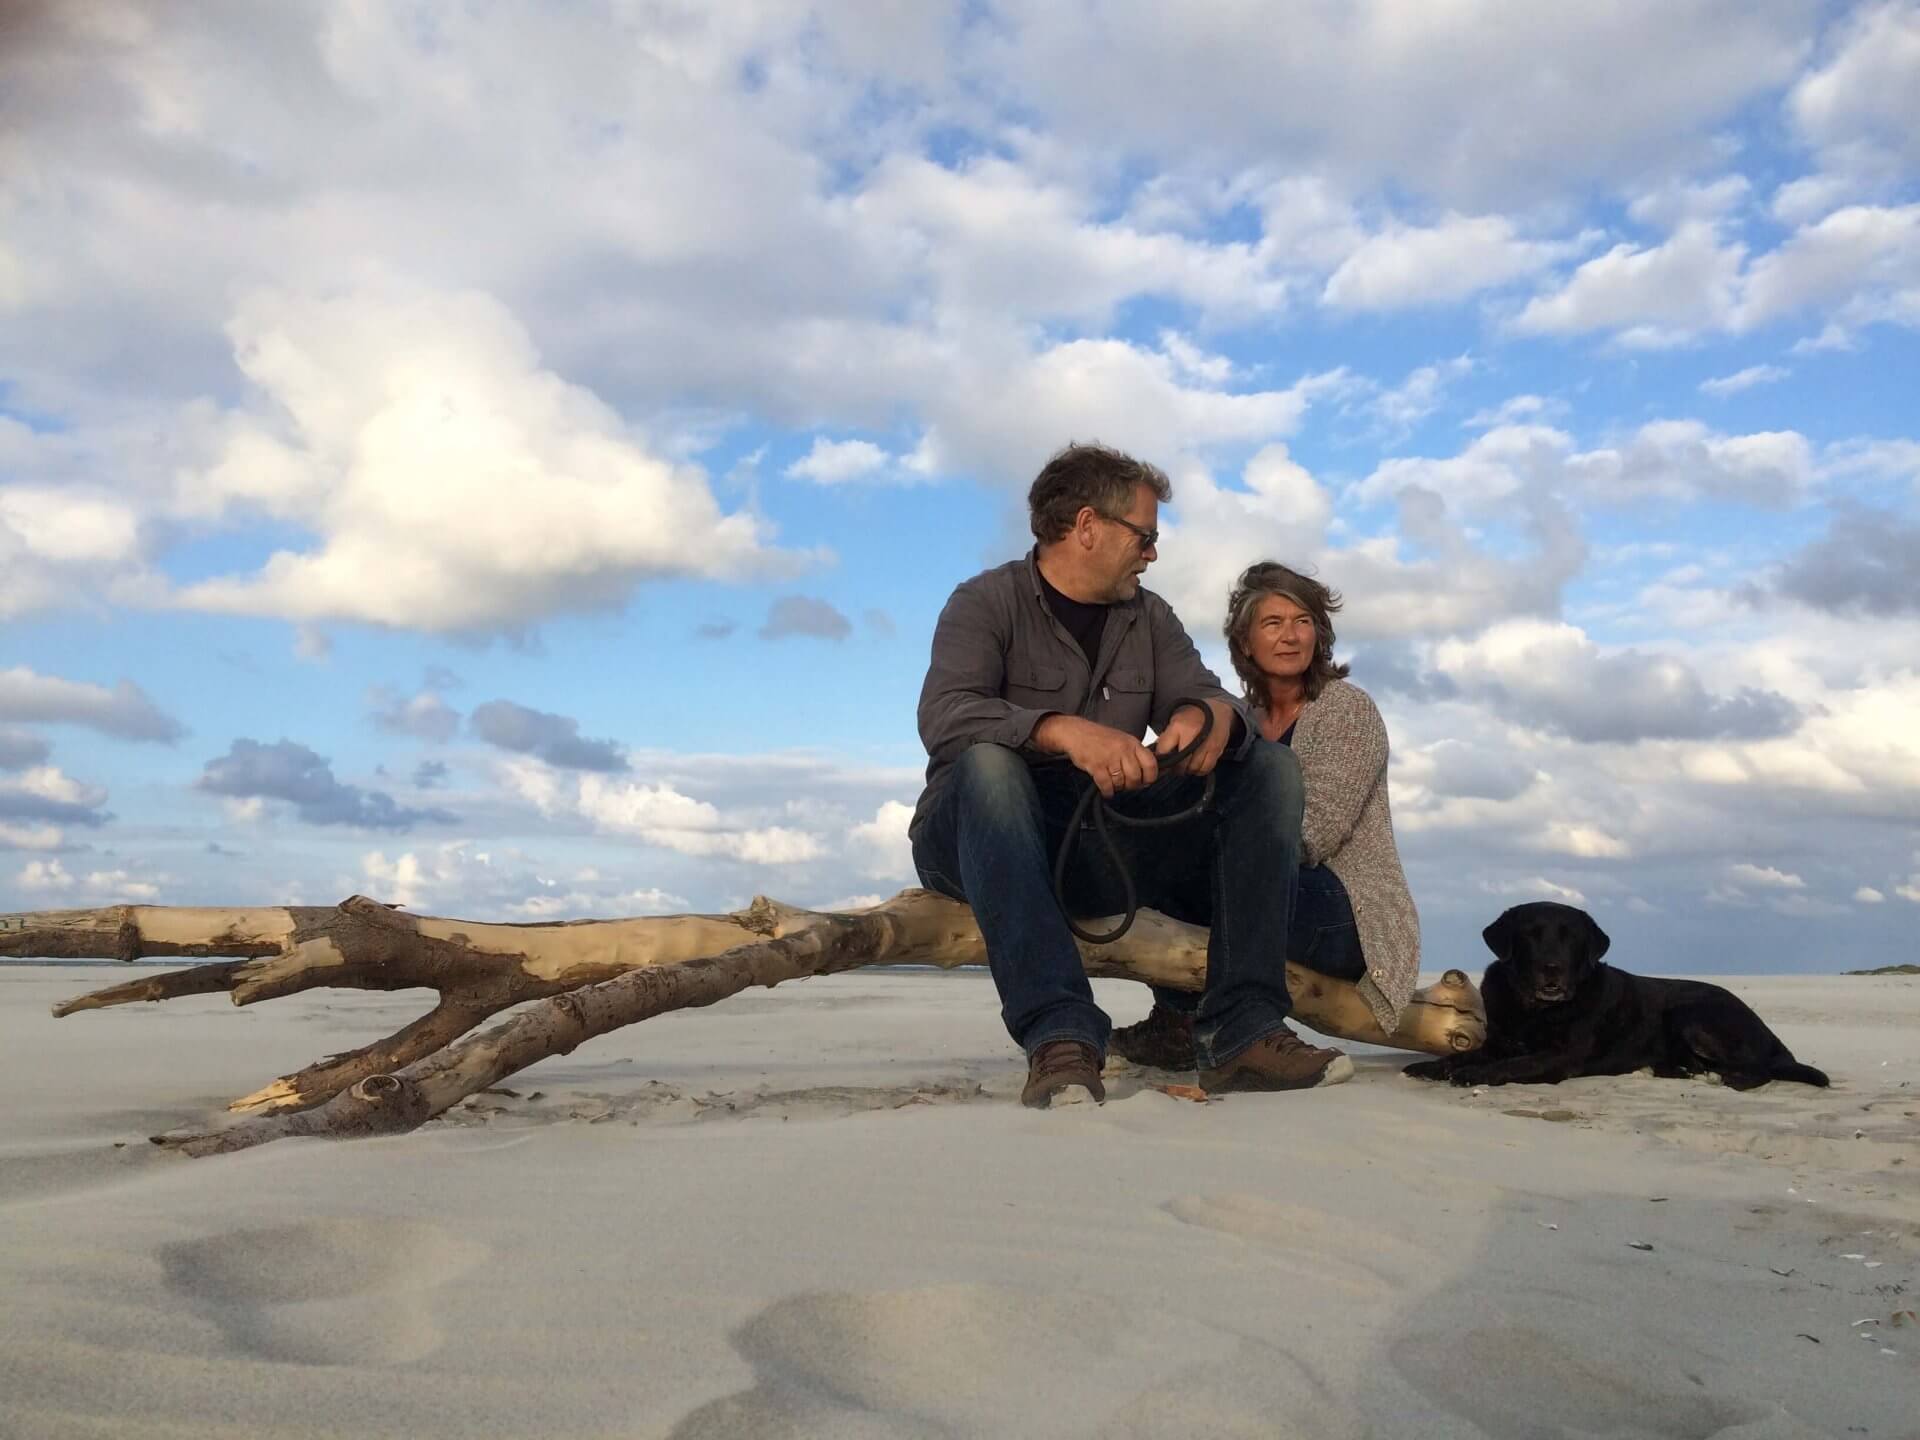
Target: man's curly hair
{"points": [[1082, 475]]}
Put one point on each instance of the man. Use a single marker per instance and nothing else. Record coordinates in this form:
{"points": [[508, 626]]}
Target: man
{"points": [[1049, 669]]}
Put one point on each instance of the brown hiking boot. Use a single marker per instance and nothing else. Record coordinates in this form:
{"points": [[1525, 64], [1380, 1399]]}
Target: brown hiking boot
{"points": [[1059, 1069], [1280, 1061], [1163, 1040]]}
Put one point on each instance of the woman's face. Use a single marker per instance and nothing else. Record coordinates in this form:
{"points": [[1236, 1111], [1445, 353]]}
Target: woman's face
{"points": [[1280, 638]]}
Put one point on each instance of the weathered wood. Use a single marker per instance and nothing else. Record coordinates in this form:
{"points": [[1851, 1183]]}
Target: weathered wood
{"points": [[591, 976]]}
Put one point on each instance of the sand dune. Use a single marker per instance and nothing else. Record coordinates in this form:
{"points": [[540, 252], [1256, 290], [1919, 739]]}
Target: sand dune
{"points": [[819, 1213]]}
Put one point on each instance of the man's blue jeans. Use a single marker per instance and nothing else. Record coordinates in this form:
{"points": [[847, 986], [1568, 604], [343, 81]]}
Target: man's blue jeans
{"points": [[991, 838]]}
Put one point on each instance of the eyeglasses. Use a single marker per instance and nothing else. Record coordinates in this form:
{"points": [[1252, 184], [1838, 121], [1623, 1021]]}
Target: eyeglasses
{"points": [[1149, 539]]}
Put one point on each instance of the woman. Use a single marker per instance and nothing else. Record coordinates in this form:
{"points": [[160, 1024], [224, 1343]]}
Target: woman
{"points": [[1353, 918]]}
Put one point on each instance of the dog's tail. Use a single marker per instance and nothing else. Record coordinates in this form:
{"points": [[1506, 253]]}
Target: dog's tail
{"points": [[1794, 1070]]}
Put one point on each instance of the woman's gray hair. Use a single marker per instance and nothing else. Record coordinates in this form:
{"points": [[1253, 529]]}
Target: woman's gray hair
{"points": [[1255, 584]]}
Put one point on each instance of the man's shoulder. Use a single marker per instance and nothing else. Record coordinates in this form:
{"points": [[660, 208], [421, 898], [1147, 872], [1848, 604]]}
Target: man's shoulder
{"points": [[997, 579], [1155, 606]]}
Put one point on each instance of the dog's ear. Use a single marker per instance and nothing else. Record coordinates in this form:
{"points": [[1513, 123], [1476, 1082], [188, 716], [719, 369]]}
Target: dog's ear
{"points": [[1499, 935], [1597, 941]]}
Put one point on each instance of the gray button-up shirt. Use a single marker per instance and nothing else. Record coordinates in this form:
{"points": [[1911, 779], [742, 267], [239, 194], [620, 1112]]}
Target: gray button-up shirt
{"points": [[1002, 661]]}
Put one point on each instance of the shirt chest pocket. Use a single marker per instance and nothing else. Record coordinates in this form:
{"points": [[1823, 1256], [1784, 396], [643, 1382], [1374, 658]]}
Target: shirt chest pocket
{"points": [[1126, 698], [1036, 685]]}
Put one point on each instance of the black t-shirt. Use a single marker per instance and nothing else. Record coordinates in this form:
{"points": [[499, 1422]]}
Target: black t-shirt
{"points": [[1086, 622]]}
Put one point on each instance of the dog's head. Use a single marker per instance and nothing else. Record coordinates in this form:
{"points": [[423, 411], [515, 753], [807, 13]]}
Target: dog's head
{"points": [[1551, 948]]}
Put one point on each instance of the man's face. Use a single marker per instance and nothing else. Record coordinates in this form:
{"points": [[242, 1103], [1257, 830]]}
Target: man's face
{"points": [[1121, 554]]}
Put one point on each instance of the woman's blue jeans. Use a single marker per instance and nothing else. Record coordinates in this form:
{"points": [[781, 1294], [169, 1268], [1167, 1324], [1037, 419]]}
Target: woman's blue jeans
{"points": [[1324, 938], [990, 840]]}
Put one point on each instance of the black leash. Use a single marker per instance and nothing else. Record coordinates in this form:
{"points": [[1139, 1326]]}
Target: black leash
{"points": [[1093, 801]]}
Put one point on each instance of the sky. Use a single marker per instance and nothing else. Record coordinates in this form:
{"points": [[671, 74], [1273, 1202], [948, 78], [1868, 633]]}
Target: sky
{"points": [[508, 460]]}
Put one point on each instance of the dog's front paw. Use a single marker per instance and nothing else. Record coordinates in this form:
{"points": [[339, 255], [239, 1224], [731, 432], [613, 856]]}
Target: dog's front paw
{"points": [[1473, 1075], [1429, 1069]]}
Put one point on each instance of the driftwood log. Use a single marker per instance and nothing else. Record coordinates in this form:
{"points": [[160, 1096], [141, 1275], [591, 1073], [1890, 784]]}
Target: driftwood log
{"points": [[589, 977]]}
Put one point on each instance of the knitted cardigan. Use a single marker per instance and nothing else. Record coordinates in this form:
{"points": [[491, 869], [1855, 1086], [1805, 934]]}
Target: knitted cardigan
{"points": [[1342, 747]]}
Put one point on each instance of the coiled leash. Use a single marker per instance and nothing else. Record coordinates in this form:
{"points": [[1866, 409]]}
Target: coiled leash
{"points": [[1096, 803]]}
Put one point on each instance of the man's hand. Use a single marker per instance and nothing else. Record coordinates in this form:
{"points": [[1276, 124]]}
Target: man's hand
{"points": [[1113, 759], [1184, 724]]}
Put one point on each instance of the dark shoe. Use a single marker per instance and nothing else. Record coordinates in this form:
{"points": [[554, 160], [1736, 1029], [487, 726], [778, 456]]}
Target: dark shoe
{"points": [[1059, 1068], [1280, 1061], [1163, 1040]]}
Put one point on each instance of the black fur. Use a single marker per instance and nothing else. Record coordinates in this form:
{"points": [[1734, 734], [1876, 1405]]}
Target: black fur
{"points": [[1555, 1011]]}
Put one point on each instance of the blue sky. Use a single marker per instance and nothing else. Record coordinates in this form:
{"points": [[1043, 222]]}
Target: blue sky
{"points": [[509, 461]]}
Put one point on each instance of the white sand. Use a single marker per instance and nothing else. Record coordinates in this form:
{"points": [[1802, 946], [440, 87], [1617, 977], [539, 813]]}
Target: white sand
{"points": [[819, 1211]]}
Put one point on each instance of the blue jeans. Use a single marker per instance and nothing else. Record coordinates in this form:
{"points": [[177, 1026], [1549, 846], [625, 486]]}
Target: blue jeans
{"points": [[1324, 937], [990, 840]]}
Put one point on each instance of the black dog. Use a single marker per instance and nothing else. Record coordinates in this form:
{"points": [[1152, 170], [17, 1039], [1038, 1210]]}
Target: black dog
{"points": [[1554, 1012]]}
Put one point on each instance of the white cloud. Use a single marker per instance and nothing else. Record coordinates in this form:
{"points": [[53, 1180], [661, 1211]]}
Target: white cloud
{"points": [[30, 837], [1584, 842], [1684, 460], [1867, 256], [1550, 675], [415, 415], [1500, 463], [1746, 379], [1664, 459], [1516, 410], [994, 238], [120, 885], [1832, 336], [1673, 203], [1003, 410], [834, 462], [1862, 107], [103, 886], [397, 881], [423, 715], [1651, 295], [1404, 266], [1484, 104], [1431, 577], [48, 875], [1881, 459], [1535, 887], [879, 846], [461, 878], [843, 903], [1764, 877], [661, 815], [312, 644], [1805, 200], [1864, 260], [1867, 895], [123, 712], [1419, 395], [1857, 752], [68, 528], [45, 794], [1192, 363]]}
